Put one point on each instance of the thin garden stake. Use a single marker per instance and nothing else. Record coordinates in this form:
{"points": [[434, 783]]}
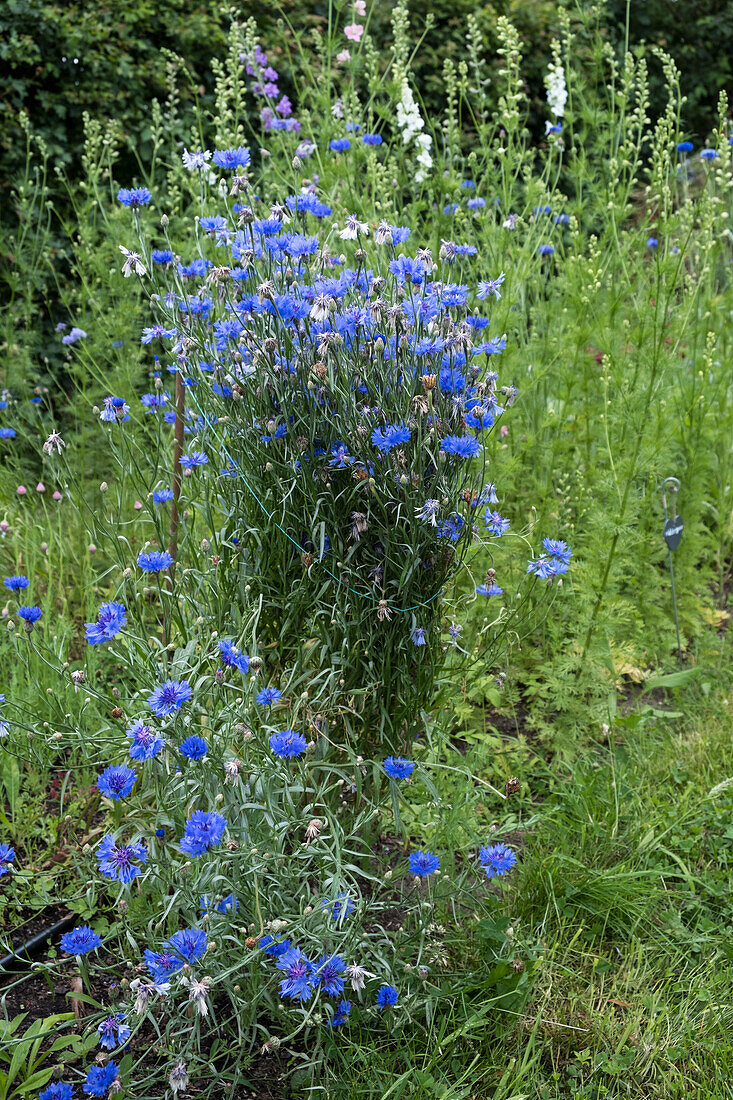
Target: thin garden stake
{"points": [[177, 452], [673, 527]]}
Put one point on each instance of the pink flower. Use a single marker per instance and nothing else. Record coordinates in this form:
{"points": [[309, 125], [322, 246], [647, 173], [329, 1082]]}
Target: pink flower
{"points": [[21, 490], [40, 487], [354, 31], [92, 548], [503, 430], [137, 505], [343, 57], [57, 495], [360, 8]]}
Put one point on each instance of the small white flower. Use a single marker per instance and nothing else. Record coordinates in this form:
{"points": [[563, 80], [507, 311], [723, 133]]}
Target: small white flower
{"points": [[356, 975], [195, 160], [352, 228], [322, 306], [144, 991], [178, 1079], [133, 263], [197, 993], [557, 93], [54, 440]]}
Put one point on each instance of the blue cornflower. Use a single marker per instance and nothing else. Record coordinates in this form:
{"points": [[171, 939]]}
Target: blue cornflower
{"points": [[228, 904], [298, 981], [341, 904], [418, 636], [490, 286], [7, 855], [161, 256], [423, 863], [709, 154], [117, 782], [7, 433], [497, 859], [556, 548], [116, 861], [463, 446], [271, 947], [343, 1008], [57, 1090], [113, 1032], [232, 158], [202, 831], [391, 436], [546, 249], [145, 742], [195, 748], [80, 941], [468, 185], [160, 833], [652, 242], [134, 196], [232, 657], [476, 204], [189, 943], [561, 219], [162, 964], [162, 496], [494, 346], [30, 614], [372, 139], [99, 1079], [169, 697], [16, 582], [268, 696], [546, 567], [488, 590], [339, 145], [386, 996], [450, 208], [288, 743], [196, 458], [398, 767], [341, 456], [112, 618], [408, 268], [154, 561], [497, 525], [327, 971], [685, 147]]}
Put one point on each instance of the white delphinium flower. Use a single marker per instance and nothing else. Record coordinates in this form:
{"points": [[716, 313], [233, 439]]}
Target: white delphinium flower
{"points": [[411, 124], [557, 92]]}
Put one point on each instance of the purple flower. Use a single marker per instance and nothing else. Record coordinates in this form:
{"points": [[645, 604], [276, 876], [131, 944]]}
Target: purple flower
{"points": [[327, 973], [268, 696], [113, 1032], [418, 636], [145, 742], [116, 861], [7, 855], [232, 657], [298, 981]]}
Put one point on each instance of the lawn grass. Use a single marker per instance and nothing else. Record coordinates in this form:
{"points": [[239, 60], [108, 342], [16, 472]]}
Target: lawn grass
{"points": [[622, 925]]}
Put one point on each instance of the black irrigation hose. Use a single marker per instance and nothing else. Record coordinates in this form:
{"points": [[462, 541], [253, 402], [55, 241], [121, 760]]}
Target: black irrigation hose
{"points": [[21, 959]]}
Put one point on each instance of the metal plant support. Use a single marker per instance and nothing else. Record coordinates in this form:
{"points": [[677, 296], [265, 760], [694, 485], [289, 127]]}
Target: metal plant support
{"points": [[673, 528]]}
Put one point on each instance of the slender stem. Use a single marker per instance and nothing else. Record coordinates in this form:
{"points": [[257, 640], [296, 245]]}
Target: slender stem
{"points": [[177, 452]]}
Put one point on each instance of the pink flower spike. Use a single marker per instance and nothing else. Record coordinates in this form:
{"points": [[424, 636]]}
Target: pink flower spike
{"points": [[21, 490], [57, 495], [503, 430], [354, 31], [40, 487], [137, 505], [343, 57]]}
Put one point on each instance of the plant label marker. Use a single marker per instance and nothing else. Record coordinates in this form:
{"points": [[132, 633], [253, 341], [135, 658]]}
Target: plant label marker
{"points": [[673, 528]]}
